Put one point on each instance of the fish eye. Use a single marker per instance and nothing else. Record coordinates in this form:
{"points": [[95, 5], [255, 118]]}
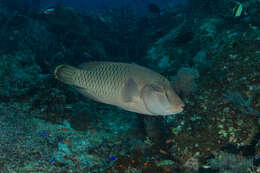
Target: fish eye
{"points": [[157, 88]]}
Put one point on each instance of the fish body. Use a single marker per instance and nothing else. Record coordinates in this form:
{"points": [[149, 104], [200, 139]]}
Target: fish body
{"points": [[49, 11], [238, 9], [88, 55], [129, 86]]}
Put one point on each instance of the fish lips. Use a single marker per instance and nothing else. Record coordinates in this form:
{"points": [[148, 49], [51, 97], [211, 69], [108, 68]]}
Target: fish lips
{"points": [[175, 109]]}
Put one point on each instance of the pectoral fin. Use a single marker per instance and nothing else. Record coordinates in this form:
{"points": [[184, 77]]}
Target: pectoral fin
{"points": [[89, 66], [129, 90]]}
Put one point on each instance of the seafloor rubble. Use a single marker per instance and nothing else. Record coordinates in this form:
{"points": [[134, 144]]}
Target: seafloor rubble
{"points": [[212, 59]]}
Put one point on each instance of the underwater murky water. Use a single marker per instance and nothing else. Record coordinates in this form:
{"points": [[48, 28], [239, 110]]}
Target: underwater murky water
{"points": [[137, 87]]}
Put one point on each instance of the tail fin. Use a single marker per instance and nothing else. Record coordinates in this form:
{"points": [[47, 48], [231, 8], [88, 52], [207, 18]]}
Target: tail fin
{"points": [[65, 73]]}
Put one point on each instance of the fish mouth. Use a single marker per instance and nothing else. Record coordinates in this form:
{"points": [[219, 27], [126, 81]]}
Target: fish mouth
{"points": [[176, 108]]}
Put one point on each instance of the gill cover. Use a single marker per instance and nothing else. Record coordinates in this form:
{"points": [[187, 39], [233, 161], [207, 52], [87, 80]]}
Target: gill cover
{"points": [[155, 99]]}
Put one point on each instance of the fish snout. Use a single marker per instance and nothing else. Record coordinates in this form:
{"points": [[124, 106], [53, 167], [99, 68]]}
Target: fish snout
{"points": [[181, 107], [176, 108]]}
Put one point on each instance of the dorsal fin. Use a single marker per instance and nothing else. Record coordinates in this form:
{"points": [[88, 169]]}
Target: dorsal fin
{"points": [[89, 65]]}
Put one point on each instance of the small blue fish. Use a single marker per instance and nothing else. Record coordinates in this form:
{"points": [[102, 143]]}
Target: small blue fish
{"points": [[52, 160], [44, 134], [112, 158]]}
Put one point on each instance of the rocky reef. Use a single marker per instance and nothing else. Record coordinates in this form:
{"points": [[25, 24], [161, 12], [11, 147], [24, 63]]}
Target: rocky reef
{"points": [[210, 55]]}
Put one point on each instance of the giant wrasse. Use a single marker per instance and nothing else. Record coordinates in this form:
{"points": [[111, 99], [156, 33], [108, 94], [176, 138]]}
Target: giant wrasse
{"points": [[129, 86]]}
